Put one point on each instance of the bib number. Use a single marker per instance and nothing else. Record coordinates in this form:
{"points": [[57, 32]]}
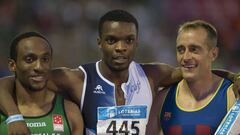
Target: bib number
{"points": [[124, 128], [124, 120]]}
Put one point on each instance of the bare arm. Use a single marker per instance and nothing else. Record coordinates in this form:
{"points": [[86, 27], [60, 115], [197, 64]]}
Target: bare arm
{"points": [[224, 74], [162, 75], [70, 81], [74, 117], [7, 103], [235, 78], [154, 125], [231, 97], [9, 107]]}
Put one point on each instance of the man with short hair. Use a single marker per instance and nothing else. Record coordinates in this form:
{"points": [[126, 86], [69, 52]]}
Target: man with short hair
{"points": [[44, 111], [198, 103]]}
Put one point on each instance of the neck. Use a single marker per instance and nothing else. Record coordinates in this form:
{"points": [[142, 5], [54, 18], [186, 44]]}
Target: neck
{"points": [[25, 96], [115, 76], [201, 88]]}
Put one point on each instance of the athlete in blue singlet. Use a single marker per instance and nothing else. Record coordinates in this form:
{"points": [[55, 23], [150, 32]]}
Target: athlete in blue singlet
{"points": [[101, 93], [197, 104], [204, 120]]}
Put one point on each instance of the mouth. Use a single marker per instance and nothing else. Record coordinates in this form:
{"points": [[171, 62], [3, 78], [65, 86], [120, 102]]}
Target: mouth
{"points": [[189, 66], [38, 78], [120, 59]]}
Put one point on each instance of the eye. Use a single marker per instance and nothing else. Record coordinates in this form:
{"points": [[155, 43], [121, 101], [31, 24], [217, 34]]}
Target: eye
{"points": [[130, 40], [46, 59], [180, 49], [111, 40], [194, 49], [29, 59]]}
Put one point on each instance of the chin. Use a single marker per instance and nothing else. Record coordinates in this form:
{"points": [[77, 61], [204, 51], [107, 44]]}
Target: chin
{"points": [[38, 87], [120, 67], [188, 76]]}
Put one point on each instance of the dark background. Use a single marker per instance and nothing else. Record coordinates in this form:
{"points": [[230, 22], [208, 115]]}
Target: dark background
{"points": [[71, 27]]}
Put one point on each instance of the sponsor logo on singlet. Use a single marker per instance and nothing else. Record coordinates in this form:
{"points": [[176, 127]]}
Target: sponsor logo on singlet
{"points": [[58, 123], [36, 124], [99, 90]]}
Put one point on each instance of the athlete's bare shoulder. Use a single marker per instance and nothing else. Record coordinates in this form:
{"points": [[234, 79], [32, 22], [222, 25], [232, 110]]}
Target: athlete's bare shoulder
{"points": [[7, 83], [70, 80], [66, 73]]}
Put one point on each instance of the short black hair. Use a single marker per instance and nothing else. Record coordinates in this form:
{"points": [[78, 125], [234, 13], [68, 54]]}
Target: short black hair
{"points": [[19, 37], [117, 15]]}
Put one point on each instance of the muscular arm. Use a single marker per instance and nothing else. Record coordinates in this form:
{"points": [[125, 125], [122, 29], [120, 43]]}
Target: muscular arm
{"points": [[9, 107], [7, 103], [154, 125], [162, 75], [225, 74], [231, 97], [231, 76], [69, 80], [74, 117]]}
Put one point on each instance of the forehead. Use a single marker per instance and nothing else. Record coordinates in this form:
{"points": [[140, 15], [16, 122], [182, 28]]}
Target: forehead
{"points": [[192, 37], [118, 28], [34, 45]]}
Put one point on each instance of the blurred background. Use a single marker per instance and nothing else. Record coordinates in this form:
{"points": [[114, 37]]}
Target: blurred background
{"points": [[71, 27]]}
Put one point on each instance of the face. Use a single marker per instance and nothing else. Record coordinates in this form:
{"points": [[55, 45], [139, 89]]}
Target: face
{"points": [[118, 43], [33, 63], [193, 54]]}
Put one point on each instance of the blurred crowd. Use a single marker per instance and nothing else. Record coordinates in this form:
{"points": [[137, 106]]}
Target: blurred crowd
{"points": [[71, 27]]}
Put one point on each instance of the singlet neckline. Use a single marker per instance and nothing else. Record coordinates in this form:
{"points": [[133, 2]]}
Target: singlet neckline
{"points": [[199, 108], [52, 108]]}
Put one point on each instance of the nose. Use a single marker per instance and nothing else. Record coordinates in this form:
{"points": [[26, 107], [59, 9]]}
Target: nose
{"points": [[187, 55], [121, 46], [38, 66]]}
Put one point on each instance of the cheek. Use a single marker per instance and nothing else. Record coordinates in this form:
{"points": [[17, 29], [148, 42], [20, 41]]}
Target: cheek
{"points": [[205, 62], [47, 66], [23, 68], [179, 57], [22, 73], [106, 54], [132, 49], [132, 52]]}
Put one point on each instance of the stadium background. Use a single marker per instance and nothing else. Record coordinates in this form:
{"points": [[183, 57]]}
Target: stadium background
{"points": [[71, 27]]}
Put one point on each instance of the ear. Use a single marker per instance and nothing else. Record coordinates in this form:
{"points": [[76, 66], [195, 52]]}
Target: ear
{"points": [[214, 53], [11, 65], [99, 42]]}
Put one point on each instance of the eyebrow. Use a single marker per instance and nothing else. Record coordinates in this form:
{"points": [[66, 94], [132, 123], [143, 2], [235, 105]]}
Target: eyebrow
{"points": [[33, 54]]}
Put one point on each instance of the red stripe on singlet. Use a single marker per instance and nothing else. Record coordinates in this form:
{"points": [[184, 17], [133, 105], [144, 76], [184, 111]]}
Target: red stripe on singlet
{"points": [[175, 130], [203, 130]]}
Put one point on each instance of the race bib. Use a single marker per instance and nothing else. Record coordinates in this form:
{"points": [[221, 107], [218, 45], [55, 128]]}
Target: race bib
{"points": [[230, 124], [125, 120]]}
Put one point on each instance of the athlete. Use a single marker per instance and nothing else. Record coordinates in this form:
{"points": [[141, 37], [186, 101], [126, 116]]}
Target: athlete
{"points": [[44, 111], [198, 103], [115, 93], [115, 80]]}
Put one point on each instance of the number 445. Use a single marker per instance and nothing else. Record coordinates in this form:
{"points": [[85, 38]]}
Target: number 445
{"points": [[112, 128]]}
